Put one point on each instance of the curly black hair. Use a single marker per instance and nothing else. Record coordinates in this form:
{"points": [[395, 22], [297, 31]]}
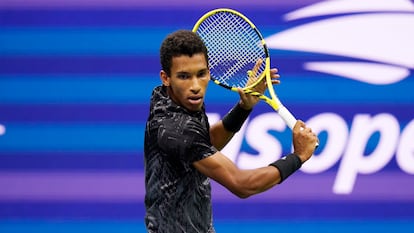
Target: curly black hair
{"points": [[181, 42]]}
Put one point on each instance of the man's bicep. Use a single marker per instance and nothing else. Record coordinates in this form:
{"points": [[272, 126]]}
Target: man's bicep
{"points": [[219, 168]]}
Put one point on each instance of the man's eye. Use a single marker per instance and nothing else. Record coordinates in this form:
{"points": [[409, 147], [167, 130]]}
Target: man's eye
{"points": [[202, 74], [183, 76]]}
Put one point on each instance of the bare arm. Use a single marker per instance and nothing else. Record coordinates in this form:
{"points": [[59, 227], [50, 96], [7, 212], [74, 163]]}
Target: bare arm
{"points": [[243, 183]]}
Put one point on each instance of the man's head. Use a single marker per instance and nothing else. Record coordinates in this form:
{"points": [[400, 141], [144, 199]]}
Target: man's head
{"points": [[185, 70], [181, 42]]}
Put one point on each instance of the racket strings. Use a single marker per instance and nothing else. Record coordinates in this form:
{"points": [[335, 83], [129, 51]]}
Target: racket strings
{"points": [[234, 48]]}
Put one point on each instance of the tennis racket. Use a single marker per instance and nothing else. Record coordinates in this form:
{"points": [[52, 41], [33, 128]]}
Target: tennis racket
{"points": [[238, 55]]}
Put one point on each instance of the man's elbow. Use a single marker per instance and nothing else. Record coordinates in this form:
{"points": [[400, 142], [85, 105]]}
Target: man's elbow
{"points": [[242, 194]]}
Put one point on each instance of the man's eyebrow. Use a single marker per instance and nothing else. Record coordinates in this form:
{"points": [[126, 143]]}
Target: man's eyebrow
{"points": [[202, 71], [182, 72]]}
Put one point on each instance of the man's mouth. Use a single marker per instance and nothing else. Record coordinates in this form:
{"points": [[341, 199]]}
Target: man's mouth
{"points": [[195, 99]]}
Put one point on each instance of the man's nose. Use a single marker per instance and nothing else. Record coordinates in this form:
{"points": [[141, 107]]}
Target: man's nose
{"points": [[195, 84]]}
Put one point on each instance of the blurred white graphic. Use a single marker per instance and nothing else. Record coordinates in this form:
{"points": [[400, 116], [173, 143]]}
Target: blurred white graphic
{"points": [[377, 35]]}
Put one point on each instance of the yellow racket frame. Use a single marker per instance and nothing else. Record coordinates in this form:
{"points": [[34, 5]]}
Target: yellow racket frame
{"points": [[273, 101]]}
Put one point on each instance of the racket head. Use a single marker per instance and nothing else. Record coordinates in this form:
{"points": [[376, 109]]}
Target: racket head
{"points": [[237, 53]]}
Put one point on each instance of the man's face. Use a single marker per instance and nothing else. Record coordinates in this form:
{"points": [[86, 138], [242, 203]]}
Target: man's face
{"points": [[188, 81]]}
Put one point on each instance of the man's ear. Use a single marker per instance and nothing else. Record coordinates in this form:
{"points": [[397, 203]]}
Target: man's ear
{"points": [[164, 78]]}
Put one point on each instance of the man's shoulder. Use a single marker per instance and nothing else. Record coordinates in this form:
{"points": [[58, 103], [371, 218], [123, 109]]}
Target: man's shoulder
{"points": [[180, 122]]}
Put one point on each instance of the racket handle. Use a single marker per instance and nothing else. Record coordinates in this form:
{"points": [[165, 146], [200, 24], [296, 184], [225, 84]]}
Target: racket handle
{"points": [[289, 119]]}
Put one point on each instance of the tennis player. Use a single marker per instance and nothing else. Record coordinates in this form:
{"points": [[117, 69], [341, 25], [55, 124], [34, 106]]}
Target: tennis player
{"points": [[182, 151]]}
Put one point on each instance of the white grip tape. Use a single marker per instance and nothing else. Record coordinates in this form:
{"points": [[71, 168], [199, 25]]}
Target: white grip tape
{"points": [[289, 119]]}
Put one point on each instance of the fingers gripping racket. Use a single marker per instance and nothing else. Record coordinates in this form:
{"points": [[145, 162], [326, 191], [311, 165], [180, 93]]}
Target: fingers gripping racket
{"points": [[238, 55]]}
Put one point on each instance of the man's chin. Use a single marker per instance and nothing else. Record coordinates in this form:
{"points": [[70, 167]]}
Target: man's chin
{"points": [[194, 108]]}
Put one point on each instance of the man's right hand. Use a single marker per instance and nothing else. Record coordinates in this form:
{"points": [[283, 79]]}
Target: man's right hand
{"points": [[304, 141]]}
